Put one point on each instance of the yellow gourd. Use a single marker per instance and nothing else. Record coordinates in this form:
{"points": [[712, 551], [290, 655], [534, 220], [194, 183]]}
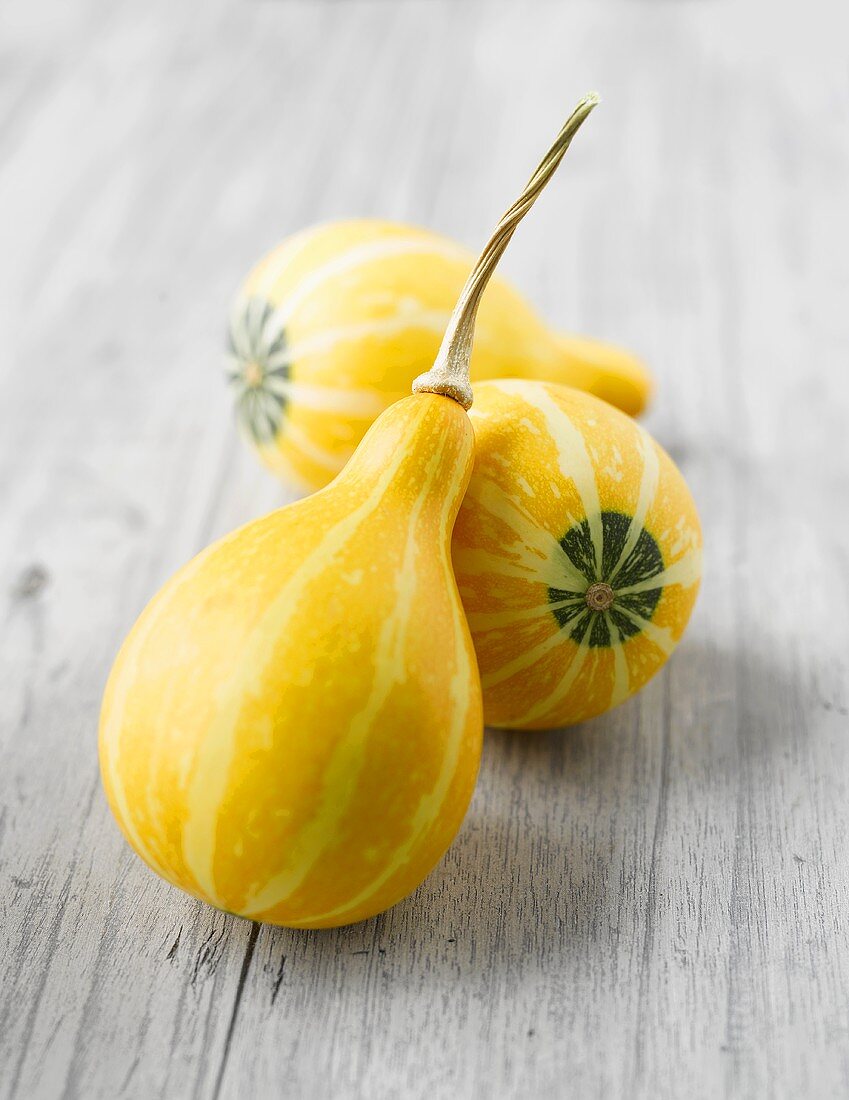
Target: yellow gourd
{"points": [[292, 729], [577, 552], [333, 325]]}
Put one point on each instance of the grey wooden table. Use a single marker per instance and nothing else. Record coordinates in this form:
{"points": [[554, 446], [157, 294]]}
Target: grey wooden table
{"points": [[653, 904]]}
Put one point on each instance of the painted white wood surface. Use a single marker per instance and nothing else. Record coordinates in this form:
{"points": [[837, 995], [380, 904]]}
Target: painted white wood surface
{"points": [[653, 904]]}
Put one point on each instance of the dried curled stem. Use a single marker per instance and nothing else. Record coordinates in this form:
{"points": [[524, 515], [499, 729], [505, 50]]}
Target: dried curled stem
{"points": [[449, 374]]}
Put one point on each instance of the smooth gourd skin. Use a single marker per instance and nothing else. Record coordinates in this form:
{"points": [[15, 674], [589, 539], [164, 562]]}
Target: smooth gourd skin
{"points": [[334, 324], [567, 492], [292, 729]]}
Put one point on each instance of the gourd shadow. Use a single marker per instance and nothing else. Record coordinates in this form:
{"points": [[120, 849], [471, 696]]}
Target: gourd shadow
{"points": [[559, 846], [562, 838]]}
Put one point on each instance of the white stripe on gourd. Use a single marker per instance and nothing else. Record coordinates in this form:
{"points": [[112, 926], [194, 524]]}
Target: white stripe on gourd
{"points": [[211, 773], [524, 661], [686, 571], [565, 684], [661, 636], [320, 343], [426, 816], [540, 555], [111, 734], [574, 459], [343, 771], [648, 493], [356, 257], [282, 259]]}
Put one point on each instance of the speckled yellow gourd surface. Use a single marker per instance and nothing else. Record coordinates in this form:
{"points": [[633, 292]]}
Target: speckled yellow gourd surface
{"points": [[577, 552], [292, 729], [334, 324]]}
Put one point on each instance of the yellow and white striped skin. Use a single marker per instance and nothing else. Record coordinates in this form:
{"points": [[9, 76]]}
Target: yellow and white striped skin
{"points": [[333, 325], [292, 729], [567, 493]]}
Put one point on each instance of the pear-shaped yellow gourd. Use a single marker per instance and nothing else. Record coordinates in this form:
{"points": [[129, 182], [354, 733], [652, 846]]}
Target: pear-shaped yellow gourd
{"points": [[292, 729], [334, 324], [577, 552]]}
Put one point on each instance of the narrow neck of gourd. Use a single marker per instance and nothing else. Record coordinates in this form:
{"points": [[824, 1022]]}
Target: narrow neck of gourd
{"points": [[420, 454]]}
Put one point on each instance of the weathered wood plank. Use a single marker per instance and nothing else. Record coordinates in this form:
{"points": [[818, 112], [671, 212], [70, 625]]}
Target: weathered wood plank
{"points": [[651, 904]]}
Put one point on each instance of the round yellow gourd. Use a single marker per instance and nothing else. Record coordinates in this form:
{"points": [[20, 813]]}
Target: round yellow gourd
{"points": [[292, 729], [577, 552], [334, 324]]}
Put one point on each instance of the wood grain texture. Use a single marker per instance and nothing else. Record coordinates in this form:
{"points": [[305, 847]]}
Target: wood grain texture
{"points": [[653, 904]]}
